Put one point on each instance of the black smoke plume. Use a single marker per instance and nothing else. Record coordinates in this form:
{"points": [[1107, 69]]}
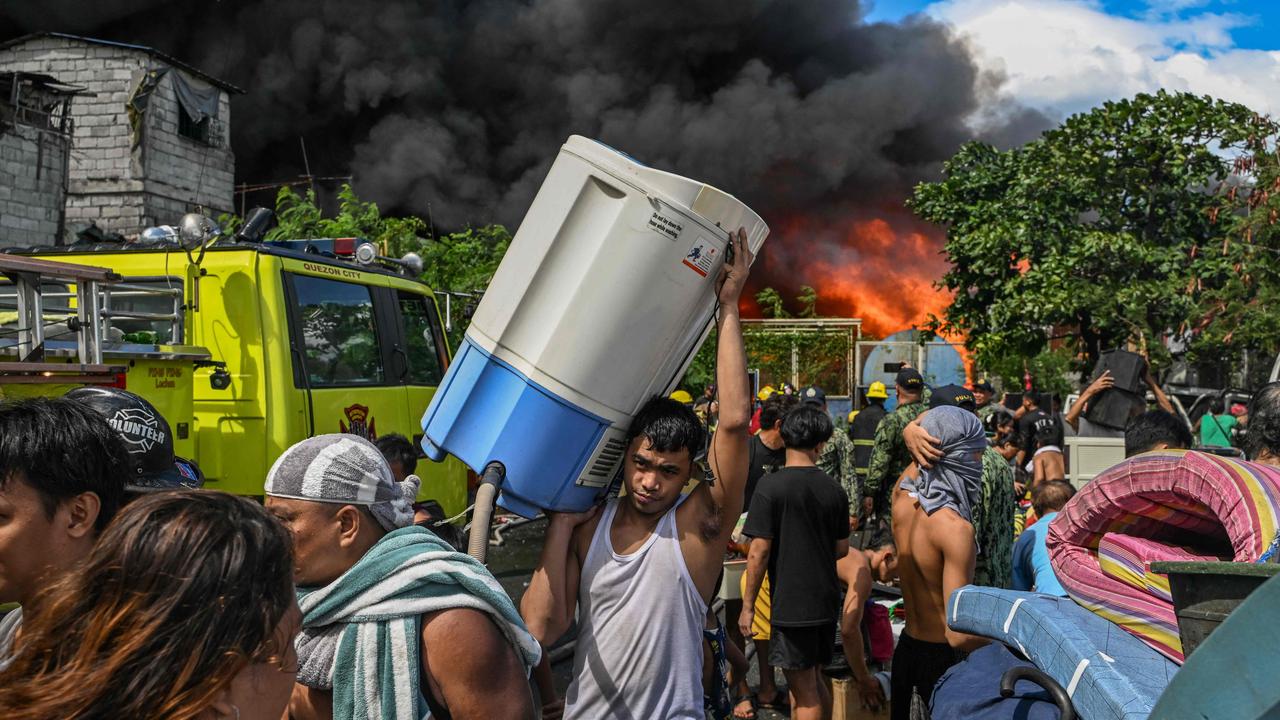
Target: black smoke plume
{"points": [[455, 108]]}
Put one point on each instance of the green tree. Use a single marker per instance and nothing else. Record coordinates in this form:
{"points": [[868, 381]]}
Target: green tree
{"points": [[1096, 233], [808, 299], [299, 216], [460, 262], [1237, 280], [771, 304], [1049, 371], [820, 354], [463, 261]]}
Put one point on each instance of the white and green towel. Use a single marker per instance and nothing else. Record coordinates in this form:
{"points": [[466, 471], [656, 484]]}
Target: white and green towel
{"points": [[360, 634]]}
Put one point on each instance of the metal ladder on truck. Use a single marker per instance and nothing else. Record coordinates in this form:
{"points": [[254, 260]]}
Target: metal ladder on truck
{"points": [[88, 321]]}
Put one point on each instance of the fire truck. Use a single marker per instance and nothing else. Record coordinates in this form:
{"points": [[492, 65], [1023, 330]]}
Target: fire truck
{"points": [[245, 346]]}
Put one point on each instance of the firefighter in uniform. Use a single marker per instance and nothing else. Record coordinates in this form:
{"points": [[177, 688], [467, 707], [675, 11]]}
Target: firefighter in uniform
{"points": [[862, 431]]}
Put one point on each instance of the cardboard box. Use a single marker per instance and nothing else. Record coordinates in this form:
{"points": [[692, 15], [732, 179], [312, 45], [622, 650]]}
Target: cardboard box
{"points": [[846, 703]]}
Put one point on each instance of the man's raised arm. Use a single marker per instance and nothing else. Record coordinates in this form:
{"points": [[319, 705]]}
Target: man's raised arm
{"points": [[1074, 412], [728, 457]]}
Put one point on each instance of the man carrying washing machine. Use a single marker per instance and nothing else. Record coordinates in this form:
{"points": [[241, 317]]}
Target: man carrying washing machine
{"points": [[645, 569]]}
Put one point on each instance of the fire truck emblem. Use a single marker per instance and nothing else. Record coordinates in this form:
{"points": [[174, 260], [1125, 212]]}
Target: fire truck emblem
{"points": [[358, 422], [138, 427]]}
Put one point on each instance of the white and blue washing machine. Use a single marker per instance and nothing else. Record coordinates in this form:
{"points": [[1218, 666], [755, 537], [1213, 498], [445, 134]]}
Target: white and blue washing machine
{"points": [[599, 304]]}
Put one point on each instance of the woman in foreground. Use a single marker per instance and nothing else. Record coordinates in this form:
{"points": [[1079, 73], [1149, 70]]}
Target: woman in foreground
{"points": [[184, 610]]}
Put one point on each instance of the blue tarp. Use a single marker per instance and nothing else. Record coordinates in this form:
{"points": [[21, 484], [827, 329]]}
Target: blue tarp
{"points": [[971, 690]]}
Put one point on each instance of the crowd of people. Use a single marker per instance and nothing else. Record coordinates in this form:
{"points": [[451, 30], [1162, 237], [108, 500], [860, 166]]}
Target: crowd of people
{"points": [[139, 594]]}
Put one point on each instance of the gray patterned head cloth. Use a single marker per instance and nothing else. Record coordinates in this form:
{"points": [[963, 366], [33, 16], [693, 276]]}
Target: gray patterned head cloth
{"points": [[955, 480], [344, 469]]}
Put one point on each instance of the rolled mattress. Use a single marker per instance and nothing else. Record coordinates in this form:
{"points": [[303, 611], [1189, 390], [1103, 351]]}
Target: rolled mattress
{"points": [[1164, 505]]}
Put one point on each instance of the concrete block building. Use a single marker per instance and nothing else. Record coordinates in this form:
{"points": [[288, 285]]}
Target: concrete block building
{"points": [[35, 147], [151, 134]]}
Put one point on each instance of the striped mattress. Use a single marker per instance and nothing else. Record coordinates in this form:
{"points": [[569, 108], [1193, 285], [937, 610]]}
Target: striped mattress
{"points": [[1165, 505]]}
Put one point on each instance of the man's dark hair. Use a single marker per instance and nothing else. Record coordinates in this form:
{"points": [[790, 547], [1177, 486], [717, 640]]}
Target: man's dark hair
{"points": [[398, 448], [1047, 435], [668, 425], [62, 448], [994, 421], [806, 427], [447, 532], [1051, 496], [1216, 405], [1263, 432], [775, 408], [1152, 428], [1013, 439], [1035, 398]]}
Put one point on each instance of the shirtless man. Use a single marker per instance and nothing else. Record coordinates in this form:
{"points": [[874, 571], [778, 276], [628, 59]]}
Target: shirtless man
{"points": [[857, 571], [1047, 463], [645, 569], [933, 529]]}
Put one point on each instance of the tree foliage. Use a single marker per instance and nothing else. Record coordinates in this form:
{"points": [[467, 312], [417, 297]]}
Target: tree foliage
{"points": [[300, 216], [773, 305], [820, 355], [1237, 280], [458, 262], [1100, 233]]}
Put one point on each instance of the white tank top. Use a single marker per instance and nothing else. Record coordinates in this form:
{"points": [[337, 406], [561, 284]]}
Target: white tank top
{"points": [[640, 618]]}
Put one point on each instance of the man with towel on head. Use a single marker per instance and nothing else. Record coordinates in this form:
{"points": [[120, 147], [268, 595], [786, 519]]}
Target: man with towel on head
{"points": [[396, 624], [933, 529]]}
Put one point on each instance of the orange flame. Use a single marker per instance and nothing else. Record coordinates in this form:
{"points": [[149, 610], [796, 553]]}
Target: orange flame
{"points": [[865, 269]]}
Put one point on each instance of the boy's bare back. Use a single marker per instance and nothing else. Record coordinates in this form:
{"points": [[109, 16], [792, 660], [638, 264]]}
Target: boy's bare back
{"points": [[935, 555]]}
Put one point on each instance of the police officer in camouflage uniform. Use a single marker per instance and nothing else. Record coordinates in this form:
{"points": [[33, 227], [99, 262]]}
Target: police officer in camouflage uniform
{"points": [[889, 456], [837, 458]]}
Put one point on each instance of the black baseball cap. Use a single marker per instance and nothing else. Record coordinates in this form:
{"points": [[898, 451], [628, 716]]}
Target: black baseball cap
{"points": [[910, 379], [985, 386], [813, 395], [146, 436], [953, 395]]}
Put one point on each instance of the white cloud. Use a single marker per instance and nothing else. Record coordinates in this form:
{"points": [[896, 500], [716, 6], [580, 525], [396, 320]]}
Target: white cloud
{"points": [[1070, 55], [1160, 8]]}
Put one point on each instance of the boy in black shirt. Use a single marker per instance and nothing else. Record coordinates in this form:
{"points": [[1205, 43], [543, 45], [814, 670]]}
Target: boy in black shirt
{"points": [[1034, 419], [799, 525]]}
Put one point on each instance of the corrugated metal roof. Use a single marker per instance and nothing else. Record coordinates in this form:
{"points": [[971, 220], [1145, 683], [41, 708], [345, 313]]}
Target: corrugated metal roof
{"points": [[128, 46], [40, 80]]}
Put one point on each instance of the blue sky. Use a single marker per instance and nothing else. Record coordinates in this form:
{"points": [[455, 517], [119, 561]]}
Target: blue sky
{"points": [[1263, 15], [1064, 56]]}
